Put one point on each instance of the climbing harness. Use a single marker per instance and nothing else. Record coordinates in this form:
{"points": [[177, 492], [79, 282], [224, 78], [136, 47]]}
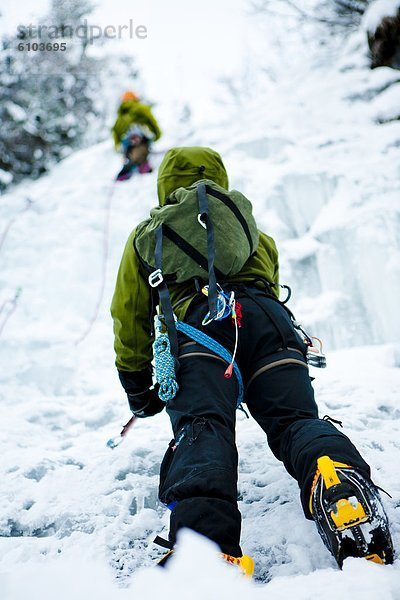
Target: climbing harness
{"points": [[220, 306], [226, 306], [165, 364], [208, 342], [315, 357]]}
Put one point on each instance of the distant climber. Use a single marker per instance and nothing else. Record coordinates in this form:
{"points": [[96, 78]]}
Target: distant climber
{"points": [[134, 131]]}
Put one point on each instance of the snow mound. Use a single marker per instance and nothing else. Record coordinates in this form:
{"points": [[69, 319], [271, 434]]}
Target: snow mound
{"points": [[197, 572], [378, 10]]}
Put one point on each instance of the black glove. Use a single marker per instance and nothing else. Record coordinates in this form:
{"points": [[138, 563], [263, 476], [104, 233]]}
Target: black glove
{"points": [[143, 402], [146, 404]]}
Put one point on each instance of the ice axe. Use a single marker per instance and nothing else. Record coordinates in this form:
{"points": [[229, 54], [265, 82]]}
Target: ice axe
{"points": [[117, 440]]}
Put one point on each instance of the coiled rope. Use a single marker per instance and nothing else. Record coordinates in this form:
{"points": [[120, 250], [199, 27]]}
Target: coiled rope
{"points": [[164, 364]]}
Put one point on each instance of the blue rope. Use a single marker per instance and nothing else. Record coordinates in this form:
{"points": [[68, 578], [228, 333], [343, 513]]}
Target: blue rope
{"points": [[217, 348], [165, 365], [165, 368]]}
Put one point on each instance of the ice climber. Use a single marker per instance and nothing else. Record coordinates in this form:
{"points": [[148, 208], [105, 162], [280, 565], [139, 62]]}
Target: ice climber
{"points": [[223, 337], [134, 131]]}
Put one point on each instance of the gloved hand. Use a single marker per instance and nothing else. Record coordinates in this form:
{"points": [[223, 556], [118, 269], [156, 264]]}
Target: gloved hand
{"points": [[143, 401], [146, 404]]}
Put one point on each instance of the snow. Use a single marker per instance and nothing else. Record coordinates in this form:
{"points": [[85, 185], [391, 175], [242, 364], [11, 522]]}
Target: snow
{"points": [[73, 578], [17, 113], [5, 177], [376, 11], [386, 106], [78, 519]]}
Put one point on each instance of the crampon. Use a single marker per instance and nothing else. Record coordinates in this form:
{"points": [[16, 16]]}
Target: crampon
{"points": [[349, 514]]}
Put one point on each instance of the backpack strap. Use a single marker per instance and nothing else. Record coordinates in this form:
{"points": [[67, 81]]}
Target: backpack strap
{"points": [[232, 206], [205, 220], [190, 250], [156, 280]]}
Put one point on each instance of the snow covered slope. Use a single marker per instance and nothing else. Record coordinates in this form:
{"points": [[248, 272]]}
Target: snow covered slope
{"points": [[77, 519]]}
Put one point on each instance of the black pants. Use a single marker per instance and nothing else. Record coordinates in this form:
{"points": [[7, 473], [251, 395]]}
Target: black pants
{"points": [[198, 477]]}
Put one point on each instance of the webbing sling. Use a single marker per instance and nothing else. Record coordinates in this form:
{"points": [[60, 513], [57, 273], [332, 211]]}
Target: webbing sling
{"points": [[163, 293], [189, 250], [204, 218], [156, 278]]}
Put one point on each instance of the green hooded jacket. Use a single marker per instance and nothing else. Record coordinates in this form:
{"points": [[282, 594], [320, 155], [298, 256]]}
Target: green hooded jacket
{"points": [[133, 112], [131, 304]]}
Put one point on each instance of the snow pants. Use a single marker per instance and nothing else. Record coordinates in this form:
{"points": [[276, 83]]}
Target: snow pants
{"points": [[198, 475]]}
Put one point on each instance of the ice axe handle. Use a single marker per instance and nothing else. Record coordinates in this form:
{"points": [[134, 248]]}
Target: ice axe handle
{"points": [[116, 441]]}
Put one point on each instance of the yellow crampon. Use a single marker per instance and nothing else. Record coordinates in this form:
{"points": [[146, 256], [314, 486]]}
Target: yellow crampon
{"points": [[375, 558], [345, 513], [349, 514], [245, 563]]}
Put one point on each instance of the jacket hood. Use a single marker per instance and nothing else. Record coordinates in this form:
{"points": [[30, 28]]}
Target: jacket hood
{"points": [[126, 106], [183, 166]]}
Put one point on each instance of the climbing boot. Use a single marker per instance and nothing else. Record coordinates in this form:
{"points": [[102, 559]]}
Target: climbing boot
{"points": [[349, 515], [244, 563]]}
